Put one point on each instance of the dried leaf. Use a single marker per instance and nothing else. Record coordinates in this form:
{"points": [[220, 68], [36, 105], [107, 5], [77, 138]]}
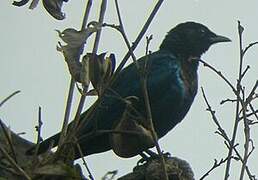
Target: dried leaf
{"points": [[101, 69], [54, 8], [84, 75], [20, 3], [33, 4], [75, 41]]}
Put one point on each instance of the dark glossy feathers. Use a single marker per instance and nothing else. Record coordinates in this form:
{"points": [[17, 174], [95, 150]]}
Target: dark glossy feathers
{"points": [[172, 86]]}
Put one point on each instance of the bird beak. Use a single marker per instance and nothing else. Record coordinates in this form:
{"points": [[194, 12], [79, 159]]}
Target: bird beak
{"points": [[218, 38]]}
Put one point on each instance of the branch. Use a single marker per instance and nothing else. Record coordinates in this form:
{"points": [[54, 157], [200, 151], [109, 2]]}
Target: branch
{"points": [[94, 51], [138, 39], [249, 46], [221, 130], [143, 81], [215, 165], [9, 97], [38, 129], [72, 82]]}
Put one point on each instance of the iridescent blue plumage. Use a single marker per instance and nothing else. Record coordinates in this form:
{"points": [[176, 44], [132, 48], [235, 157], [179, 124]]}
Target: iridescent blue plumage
{"points": [[171, 82]]}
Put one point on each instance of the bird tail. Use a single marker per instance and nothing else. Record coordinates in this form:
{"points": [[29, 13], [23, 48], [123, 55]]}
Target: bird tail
{"points": [[45, 145]]}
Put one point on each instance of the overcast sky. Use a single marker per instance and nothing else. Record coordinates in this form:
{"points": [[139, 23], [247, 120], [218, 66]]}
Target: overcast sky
{"points": [[29, 62]]}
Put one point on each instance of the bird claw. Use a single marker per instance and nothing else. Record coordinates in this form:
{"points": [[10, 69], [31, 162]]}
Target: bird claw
{"points": [[152, 156]]}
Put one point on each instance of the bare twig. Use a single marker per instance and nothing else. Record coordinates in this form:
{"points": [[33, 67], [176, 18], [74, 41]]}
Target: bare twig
{"points": [[215, 165], [249, 46], [228, 100], [138, 39], [86, 14], [10, 96], [122, 31], [220, 129], [254, 112], [251, 94], [247, 140], [237, 92], [38, 128], [148, 39], [94, 51], [222, 133], [84, 161], [245, 71], [101, 20], [219, 74], [133, 47], [143, 81]]}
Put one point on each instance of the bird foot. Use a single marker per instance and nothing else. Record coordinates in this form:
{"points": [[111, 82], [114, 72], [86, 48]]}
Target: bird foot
{"points": [[149, 155]]}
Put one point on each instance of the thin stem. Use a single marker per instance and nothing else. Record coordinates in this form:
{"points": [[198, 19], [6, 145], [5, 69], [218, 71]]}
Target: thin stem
{"points": [[38, 132], [133, 47], [138, 39], [220, 74], [214, 118], [122, 31], [101, 20], [249, 46], [224, 135], [246, 145], [86, 14], [215, 165], [84, 161], [9, 97], [143, 81], [94, 51], [150, 123], [240, 31], [72, 83], [67, 111]]}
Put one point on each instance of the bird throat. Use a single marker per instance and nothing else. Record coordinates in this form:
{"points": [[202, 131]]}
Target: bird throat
{"points": [[189, 67]]}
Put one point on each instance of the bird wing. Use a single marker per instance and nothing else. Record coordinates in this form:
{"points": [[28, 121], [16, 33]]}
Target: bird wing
{"points": [[163, 82], [165, 90]]}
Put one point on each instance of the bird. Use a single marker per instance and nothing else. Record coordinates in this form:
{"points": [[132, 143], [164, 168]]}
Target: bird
{"points": [[172, 84]]}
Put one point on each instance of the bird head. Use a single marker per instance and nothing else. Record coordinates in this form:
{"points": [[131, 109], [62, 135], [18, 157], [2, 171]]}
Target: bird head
{"points": [[190, 39]]}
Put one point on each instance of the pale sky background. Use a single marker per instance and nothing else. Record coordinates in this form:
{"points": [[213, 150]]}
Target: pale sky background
{"points": [[30, 63]]}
